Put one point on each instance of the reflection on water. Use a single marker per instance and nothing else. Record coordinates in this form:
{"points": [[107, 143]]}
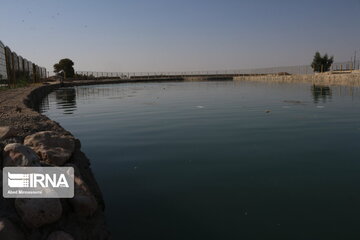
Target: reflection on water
{"points": [[66, 99], [87, 92], [321, 93]]}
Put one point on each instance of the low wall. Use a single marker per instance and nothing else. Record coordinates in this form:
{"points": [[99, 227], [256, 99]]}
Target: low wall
{"points": [[208, 78], [351, 79]]}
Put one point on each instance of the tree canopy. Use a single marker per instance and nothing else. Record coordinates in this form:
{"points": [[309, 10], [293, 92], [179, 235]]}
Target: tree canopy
{"points": [[322, 64], [65, 66]]}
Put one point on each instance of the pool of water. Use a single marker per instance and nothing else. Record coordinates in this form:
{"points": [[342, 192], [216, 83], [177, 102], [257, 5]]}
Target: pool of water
{"points": [[220, 160]]}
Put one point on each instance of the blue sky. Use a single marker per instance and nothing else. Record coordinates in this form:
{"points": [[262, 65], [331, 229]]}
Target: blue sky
{"points": [[159, 35]]}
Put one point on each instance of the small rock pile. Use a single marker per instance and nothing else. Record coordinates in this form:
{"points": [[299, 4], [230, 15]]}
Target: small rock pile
{"points": [[50, 218]]}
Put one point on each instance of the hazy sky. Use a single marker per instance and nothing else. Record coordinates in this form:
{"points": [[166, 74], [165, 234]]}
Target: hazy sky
{"points": [[166, 35]]}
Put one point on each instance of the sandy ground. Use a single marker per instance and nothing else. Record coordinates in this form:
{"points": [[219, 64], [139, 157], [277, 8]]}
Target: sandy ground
{"points": [[13, 112]]}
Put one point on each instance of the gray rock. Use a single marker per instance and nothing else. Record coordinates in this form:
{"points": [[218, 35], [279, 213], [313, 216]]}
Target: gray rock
{"points": [[60, 235], [17, 139], [84, 202], [7, 132], [36, 212], [52, 147], [16, 154], [82, 162], [9, 231], [1, 150], [84, 205]]}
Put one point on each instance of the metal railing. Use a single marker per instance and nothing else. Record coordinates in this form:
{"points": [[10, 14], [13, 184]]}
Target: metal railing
{"points": [[293, 70]]}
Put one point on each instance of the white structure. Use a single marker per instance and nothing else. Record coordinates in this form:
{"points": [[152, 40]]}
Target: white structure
{"points": [[15, 61], [21, 63], [30, 68], [3, 71], [11, 64], [26, 65], [44, 72]]}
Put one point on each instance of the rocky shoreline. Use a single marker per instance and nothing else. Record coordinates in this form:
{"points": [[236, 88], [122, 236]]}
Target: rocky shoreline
{"points": [[28, 138]]}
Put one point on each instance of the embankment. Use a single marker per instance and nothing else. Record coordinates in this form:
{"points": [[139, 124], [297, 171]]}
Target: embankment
{"points": [[348, 79], [79, 218]]}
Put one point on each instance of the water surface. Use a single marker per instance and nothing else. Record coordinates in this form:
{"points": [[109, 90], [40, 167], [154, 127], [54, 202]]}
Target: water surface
{"points": [[220, 160]]}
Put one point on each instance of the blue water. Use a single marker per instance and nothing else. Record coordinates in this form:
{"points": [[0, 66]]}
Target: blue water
{"points": [[220, 160]]}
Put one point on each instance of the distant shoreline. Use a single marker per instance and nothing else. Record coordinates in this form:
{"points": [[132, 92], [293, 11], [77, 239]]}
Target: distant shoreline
{"points": [[343, 79], [329, 78]]}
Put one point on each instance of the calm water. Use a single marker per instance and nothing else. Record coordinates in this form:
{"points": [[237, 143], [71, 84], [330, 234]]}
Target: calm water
{"points": [[204, 160]]}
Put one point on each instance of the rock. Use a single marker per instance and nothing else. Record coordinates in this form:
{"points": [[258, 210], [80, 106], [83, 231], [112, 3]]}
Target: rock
{"points": [[16, 139], [60, 235], [1, 154], [84, 205], [82, 162], [16, 154], [9, 231], [7, 132], [52, 147], [18, 109], [36, 212], [84, 202]]}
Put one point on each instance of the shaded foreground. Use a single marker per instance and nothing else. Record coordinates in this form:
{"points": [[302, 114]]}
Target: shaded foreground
{"points": [[28, 138]]}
